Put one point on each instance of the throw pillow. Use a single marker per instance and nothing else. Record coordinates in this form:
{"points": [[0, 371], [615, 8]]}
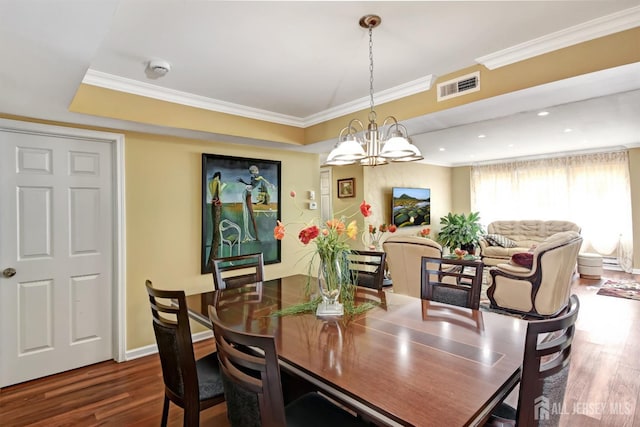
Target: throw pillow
{"points": [[523, 259], [500, 240]]}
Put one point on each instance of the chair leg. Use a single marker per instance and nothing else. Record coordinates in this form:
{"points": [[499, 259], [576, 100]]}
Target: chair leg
{"points": [[165, 412], [191, 415]]}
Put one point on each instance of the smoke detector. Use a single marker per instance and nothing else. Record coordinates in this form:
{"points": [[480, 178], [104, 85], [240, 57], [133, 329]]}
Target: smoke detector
{"points": [[157, 68]]}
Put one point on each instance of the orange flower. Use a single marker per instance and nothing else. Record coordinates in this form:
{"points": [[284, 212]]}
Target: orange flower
{"points": [[278, 231], [425, 232], [337, 225], [392, 228], [383, 228], [365, 209]]}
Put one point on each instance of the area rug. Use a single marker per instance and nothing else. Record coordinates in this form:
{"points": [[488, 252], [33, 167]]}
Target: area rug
{"points": [[629, 289]]}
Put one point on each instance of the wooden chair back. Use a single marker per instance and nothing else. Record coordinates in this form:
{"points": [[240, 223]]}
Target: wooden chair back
{"points": [[452, 281], [175, 348], [251, 373], [236, 271], [367, 268], [545, 367]]}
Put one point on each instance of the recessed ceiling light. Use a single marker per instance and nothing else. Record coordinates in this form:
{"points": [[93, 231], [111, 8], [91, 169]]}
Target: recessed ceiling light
{"points": [[510, 145], [543, 113], [482, 135], [567, 130], [441, 148]]}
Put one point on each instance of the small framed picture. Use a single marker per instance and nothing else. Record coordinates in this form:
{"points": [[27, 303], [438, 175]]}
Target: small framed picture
{"points": [[347, 187]]}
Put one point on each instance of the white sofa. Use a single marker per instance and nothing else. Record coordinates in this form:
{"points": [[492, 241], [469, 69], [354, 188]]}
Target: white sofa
{"points": [[526, 234]]}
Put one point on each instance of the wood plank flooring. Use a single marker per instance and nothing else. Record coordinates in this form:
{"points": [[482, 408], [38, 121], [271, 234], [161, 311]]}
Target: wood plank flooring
{"points": [[603, 388]]}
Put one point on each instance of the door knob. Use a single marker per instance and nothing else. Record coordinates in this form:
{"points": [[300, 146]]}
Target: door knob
{"points": [[9, 272]]}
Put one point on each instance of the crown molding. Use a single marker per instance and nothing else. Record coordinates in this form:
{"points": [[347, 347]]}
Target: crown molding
{"points": [[600, 27], [410, 88], [135, 87]]}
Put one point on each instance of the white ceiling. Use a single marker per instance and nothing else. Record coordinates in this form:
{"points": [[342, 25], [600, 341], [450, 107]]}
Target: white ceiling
{"points": [[303, 62]]}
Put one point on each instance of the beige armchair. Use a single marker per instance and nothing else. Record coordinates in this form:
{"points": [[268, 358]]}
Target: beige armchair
{"points": [[544, 289], [404, 258]]}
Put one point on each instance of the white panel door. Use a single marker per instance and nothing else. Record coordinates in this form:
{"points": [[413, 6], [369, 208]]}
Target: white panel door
{"points": [[326, 207], [56, 221]]}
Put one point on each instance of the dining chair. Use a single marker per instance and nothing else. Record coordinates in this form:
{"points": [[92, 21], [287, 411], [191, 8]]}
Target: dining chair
{"points": [[367, 268], [545, 368], [238, 270], [452, 281], [192, 384], [253, 389]]}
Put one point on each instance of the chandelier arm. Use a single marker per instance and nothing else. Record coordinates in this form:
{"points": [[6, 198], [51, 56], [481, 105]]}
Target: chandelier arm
{"points": [[395, 125], [351, 127]]}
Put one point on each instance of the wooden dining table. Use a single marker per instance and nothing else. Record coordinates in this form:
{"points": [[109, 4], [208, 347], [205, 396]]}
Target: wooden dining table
{"points": [[406, 361]]}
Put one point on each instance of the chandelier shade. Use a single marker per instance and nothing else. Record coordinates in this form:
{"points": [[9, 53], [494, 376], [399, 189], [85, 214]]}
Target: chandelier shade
{"points": [[373, 146]]}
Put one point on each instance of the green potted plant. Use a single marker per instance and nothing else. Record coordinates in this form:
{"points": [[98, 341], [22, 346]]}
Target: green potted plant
{"points": [[460, 231]]}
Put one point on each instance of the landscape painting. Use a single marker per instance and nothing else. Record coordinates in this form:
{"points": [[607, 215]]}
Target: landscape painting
{"points": [[410, 206], [240, 207]]}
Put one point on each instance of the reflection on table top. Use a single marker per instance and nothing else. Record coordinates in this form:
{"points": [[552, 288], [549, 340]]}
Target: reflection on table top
{"points": [[413, 362]]}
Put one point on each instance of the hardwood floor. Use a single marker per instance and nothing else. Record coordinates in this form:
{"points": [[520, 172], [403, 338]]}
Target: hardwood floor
{"points": [[603, 387], [604, 376]]}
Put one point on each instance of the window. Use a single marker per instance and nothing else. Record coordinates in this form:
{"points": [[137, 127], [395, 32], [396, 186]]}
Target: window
{"points": [[591, 190]]}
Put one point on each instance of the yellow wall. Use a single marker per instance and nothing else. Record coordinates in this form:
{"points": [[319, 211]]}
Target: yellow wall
{"points": [[379, 180], [461, 189], [163, 213]]}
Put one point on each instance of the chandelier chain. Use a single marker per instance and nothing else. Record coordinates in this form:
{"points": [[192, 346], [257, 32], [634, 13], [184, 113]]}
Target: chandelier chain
{"points": [[372, 145], [372, 113]]}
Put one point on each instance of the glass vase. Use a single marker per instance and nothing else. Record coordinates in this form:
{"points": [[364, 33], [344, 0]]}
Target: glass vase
{"points": [[330, 281]]}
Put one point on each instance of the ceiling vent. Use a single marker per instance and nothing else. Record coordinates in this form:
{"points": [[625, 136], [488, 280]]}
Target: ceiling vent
{"points": [[459, 86]]}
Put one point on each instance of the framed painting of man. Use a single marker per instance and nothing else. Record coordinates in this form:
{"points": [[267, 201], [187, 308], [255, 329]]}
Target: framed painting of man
{"points": [[240, 207]]}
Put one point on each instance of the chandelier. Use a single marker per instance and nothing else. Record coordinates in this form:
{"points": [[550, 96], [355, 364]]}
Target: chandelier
{"points": [[374, 145]]}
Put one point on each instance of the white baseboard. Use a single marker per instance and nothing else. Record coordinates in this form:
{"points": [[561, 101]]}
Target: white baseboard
{"points": [[616, 267], [148, 350]]}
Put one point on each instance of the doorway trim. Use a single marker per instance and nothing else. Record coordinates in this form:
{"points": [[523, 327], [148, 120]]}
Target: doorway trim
{"points": [[118, 302]]}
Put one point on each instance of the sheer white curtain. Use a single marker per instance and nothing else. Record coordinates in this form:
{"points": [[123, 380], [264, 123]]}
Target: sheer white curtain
{"points": [[591, 190]]}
